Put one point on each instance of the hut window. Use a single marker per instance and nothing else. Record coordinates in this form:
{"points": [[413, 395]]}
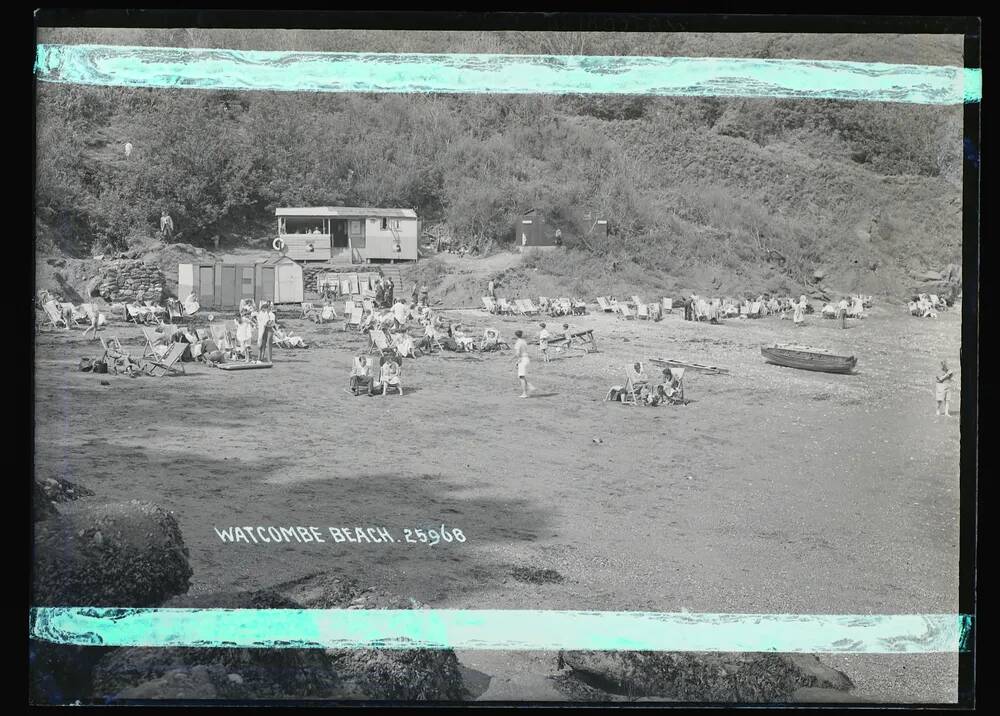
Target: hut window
{"points": [[355, 227], [389, 223]]}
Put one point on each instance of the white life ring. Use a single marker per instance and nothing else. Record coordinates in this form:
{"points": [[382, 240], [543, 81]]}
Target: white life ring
{"points": [[278, 245]]}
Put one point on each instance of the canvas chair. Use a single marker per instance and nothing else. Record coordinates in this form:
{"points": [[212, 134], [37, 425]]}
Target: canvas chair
{"points": [[379, 342], [54, 314], [625, 312], [220, 334], [630, 392], [530, 307], [155, 346], [137, 314], [605, 304], [386, 385], [354, 317], [642, 311], [403, 344], [168, 364], [368, 303], [677, 384], [492, 341], [117, 359], [668, 305]]}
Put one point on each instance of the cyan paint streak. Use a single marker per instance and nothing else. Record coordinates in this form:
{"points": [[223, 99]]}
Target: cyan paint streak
{"points": [[501, 629], [117, 65]]}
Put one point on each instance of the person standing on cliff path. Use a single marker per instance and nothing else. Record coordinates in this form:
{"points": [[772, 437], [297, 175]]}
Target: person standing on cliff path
{"points": [[166, 226]]}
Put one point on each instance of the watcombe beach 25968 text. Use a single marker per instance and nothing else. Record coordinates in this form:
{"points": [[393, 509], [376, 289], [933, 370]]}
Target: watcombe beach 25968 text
{"points": [[264, 534]]}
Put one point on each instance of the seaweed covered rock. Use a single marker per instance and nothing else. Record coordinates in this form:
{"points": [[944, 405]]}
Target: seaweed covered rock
{"points": [[711, 677], [122, 555], [411, 674], [403, 674], [223, 672], [60, 490]]}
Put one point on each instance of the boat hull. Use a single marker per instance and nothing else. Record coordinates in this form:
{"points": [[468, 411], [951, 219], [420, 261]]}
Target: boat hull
{"points": [[806, 360]]}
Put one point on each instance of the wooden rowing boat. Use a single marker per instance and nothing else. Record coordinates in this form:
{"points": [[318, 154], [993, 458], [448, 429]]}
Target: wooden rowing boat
{"points": [[808, 358]]}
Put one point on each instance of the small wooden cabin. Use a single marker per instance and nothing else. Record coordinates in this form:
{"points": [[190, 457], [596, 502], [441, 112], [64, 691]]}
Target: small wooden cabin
{"points": [[347, 234]]}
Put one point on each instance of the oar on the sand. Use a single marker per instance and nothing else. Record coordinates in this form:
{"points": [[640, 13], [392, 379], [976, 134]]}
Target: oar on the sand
{"points": [[687, 364]]}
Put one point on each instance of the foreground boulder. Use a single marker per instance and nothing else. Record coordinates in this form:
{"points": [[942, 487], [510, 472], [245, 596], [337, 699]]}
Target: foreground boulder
{"points": [[405, 674], [123, 555], [126, 555], [708, 677], [221, 672]]}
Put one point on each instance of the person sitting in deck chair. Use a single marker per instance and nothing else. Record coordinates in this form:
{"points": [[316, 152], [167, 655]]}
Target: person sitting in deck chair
{"points": [[285, 339], [361, 377], [640, 380], [465, 342], [389, 377]]}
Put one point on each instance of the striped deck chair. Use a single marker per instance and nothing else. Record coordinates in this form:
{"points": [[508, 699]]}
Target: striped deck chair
{"points": [[642, 311], [605, 304], [168, 364], [528, 307], [625, 312], [55, 315]]}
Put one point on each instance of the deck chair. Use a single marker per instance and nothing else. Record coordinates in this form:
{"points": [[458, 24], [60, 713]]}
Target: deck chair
{"points": [[354, 317], [155, 345], [168, 364], [642, 311], [220, 334], [379, 342], [403, 344], [54, 313], [529, 307], [630, 392], [491, 341], [677, 397], [399, 382], [309, 311], [503, 306], [605, 304], [625, 312], [636, 301], [489, 304], [668, 305], [368, 304], [117, 359]]}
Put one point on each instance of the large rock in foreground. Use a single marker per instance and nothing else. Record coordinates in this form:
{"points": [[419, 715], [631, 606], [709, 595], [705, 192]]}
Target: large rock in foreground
{"points": [[123, 555], [221, 672], [704, 677], [384, 674]]}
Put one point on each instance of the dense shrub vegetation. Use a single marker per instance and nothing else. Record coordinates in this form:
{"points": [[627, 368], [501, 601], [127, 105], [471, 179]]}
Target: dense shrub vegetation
{"points": [[684, 183]]}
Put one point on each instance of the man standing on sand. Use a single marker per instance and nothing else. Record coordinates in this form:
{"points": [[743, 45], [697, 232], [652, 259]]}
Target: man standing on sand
{"points": [[265, 331], [521, 352], [942, 391]]}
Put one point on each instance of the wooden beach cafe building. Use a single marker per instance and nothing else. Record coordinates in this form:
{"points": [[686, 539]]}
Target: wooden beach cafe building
{"points": [[347, 234]]}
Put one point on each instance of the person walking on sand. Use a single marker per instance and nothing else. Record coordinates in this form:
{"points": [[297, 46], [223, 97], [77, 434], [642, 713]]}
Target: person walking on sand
{"points": [[521, 352], [942, 390], [543, 342]]}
